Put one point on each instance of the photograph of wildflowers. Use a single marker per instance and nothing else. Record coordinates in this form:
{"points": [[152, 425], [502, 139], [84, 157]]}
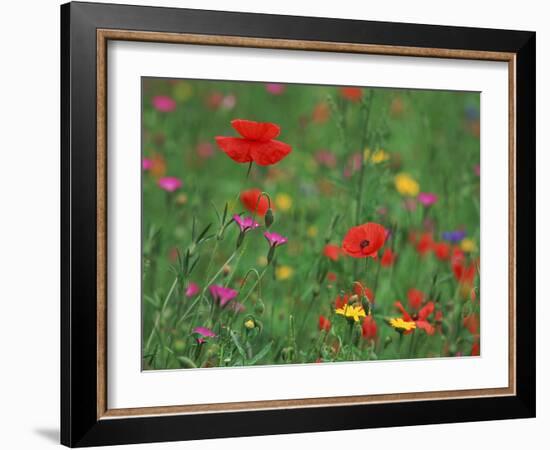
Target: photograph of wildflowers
{"points": [[293, 224]]}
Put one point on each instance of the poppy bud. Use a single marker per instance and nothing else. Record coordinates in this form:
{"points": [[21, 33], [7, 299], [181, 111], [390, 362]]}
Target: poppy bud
{"points": [[316, 290], [287, 354], [387, 341], [269, 218], [260, 307]]}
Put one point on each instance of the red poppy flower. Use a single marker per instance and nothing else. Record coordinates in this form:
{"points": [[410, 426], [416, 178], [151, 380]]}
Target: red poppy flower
{"points": [[341, 300], [420, 319], [442, 250], [364, 240], [416, 297], [353, 94], [471, 323], [324, 323], [369, 328], [256, 144], [332, 251], [361, 290], [388, 258], [475, 349], [331, 276], [249, 199], [424, 244], [464, 274]]}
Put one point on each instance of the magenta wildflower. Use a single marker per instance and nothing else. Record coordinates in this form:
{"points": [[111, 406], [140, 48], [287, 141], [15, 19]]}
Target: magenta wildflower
{"points": [[409, 204], [170, 184], [237, 307], [222, 294], [204, 332], [245, 223], [275, 239], [477, 169], [205, 150], [275, 88], [146, 164], [163, 103], [427, 198], [326, 158], [192, 290]]}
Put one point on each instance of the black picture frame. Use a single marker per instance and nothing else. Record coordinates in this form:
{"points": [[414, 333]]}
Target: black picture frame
{"points": [[80, 425]]}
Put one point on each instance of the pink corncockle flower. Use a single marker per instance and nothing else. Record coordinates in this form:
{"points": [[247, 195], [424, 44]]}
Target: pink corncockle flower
{"points": [[326, 158], [146, 164], [477, 169], [237, 307], [222, 294], [203, 332], [275, 88], [409, 204], [353, 164], [275, 239], [205, 150], [427, 198], [228, 102], [245, 223], [192, 290], [170, 184], [163, 103]]}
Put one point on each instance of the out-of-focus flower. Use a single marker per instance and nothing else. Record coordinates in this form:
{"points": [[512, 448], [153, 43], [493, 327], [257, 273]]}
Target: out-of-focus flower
{"points": [[388, 258], [424, 244], [351, 312], [324, 324], [203, 333], [284, 272], [415, 297], [332, 277], [254, 201], [364, 240], [192, 290], [222, 294], [245, 223], [183, 91], [397, 108], [353, 164], [257, 143], [332, 251], [205, 150], [321, 113], [312, 231], [468, 245], [163, 103], [427, 198], [477, 170], [471, 323], [353, 94], [283, 201], [454, 236], [406, 185], [326, 158], [158, 166], [170, 184], [421, 318], [369, 328], [409, 204], [228, 102], [377, 157], [214, 100], [275, 88], [146, 164], [441, 250]]}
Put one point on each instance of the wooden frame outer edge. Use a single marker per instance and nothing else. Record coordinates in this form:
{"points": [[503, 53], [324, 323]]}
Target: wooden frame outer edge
{"points": [[103, 36]]}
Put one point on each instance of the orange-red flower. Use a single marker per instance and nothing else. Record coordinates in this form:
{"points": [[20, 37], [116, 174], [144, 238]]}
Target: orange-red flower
{"points": [[353, 94], [464, 273], [442, 250], [364, 240], [424, 244], [256, 144], [369, 328], [416, 297], [324, 323], [361, 290], [471, 323], [332, 251], [388, 258], [254, 201], [420, 318]]}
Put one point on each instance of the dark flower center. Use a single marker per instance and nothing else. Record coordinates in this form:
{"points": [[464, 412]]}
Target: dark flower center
{"points": [[364, 243]]}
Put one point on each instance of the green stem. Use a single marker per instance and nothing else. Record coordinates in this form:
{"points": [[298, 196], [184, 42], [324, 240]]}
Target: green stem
{"points": [[161, 313]]}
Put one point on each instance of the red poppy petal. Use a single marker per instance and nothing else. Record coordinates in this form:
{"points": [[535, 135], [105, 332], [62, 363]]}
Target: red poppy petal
{"points": [[257, 131], [271, 152], [426, 311], [426, 326], [236, 148], [403, 311]]}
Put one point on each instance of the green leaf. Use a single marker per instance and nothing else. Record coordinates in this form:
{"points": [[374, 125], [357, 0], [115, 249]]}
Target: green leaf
{"points": [[238, 344], [261, 354]]}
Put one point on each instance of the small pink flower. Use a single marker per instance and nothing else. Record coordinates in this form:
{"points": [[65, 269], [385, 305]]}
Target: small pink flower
{"points": [[326, 158], [477, 169], [275, 239], [275, 88], [245, 223], [409, 204], [146, 164], [222, 294], [192, 290], [204, 332], [353, 164], [205, 150], [427, 198], [163, 103], [228, 102], [237, 307], [170, 184]]}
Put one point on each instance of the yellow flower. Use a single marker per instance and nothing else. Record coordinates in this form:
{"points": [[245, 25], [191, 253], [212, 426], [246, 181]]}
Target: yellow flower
{"points": [[262, 260], [379, 156], [468, 245], [183, 91], [312, 231], [351, 312], [284, 272], [401, 325], [249, 324], [283, 202], [406, 185]]}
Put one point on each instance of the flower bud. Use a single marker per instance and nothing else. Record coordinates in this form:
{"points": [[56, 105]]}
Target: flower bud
{"points": [[260, 307], [249, 324], [269, 218]]}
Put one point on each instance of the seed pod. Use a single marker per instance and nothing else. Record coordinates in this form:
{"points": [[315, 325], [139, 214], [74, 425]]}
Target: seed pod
{"points": [[269, 218]]}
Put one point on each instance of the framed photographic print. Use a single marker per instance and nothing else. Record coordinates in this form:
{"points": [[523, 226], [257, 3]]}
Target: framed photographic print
{"points": [[277, 224]]}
